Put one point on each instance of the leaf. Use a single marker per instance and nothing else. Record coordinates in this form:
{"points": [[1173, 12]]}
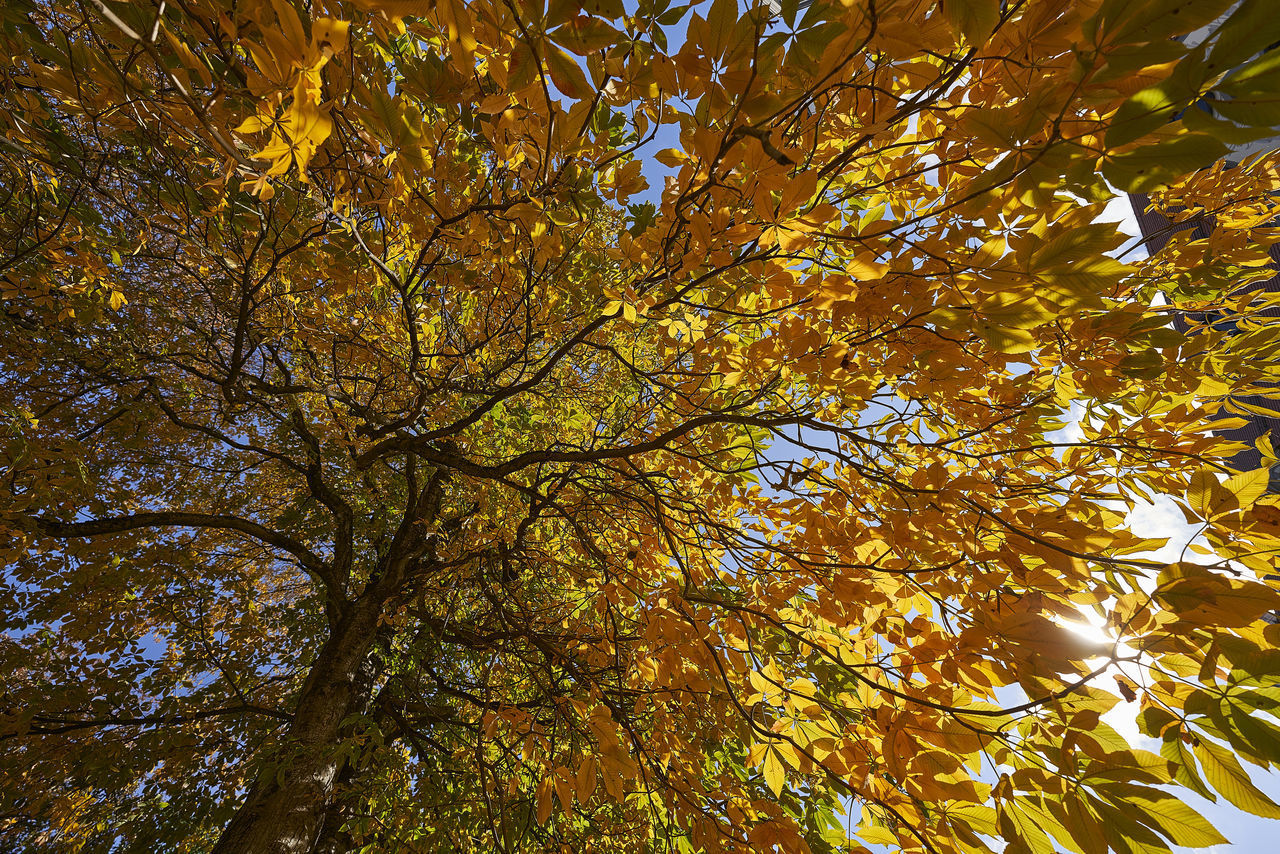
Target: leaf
{"points": [[1088, 833], [1201, 596], [1186, 772], [396, 9], [330, 34], [585, 780], [1005, 339], [1018, 827], [1224, 773], [544, 800], [1248, 487], [975, 19], [1203, 492], [566, 74], [877, 835], [1073, 245], [584, 35], [1179, 823], [775, 774], [1149, 109], [720, 22], [671, 157], [866, 269], [1251, 28], [1149, 167], [253, 124], [564, 787]]}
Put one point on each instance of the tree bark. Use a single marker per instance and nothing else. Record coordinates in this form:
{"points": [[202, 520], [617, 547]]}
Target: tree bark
{"points": [[333, 838], [285, 808]]}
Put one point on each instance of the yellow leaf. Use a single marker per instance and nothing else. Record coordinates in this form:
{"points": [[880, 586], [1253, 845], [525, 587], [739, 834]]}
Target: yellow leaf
{"points": [[585, 780], [1179, 822], [564, 789], [788, 752], [1248, 486], [672, 157], [775, 774], [290, 25], [1075, 244], [566, 74], [544, 800], [308, 126], [877, 835], [866, 269], [1202, 491], [253, 124], [329, 34], [1223, 771], [454, 15]]}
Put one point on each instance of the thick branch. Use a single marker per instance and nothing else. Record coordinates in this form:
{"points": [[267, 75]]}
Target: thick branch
{"points": [[308, 559]]}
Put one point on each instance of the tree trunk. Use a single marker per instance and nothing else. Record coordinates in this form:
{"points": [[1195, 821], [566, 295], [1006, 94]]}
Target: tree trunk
{"points": [[285, 807], [333, 839]]}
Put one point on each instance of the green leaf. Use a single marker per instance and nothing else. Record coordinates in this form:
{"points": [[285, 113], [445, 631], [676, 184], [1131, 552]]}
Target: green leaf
{"points": [[1151, 166], [1120, 22], [1260, 737], [1227, 131], [1252, 27], [1155, 106]]}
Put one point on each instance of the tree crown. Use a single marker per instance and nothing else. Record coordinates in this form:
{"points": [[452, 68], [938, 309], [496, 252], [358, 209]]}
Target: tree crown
{"points": [[388, 466]]}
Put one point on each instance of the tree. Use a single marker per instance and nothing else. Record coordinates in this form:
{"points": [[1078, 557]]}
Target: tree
{"points": [[386, 470]]}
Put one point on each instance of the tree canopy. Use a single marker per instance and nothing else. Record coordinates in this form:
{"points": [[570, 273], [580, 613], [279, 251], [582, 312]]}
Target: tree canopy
{"points": [[443, 426]]}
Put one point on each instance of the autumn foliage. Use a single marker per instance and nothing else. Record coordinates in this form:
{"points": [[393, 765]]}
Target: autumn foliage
{"points": [[491, 426]]}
